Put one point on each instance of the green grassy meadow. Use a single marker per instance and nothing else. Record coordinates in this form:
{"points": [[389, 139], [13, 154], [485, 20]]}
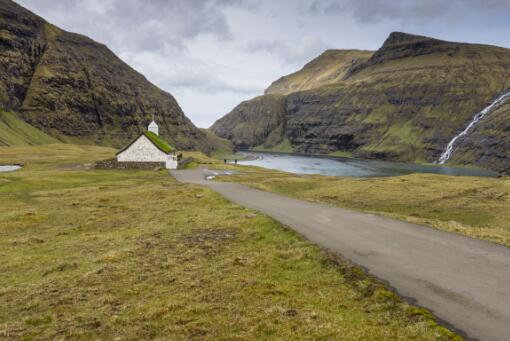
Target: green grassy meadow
{"points": [[134, 255]]}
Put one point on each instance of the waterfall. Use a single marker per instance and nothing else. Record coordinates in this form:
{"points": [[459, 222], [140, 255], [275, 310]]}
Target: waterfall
{"points": [[447, 154]]}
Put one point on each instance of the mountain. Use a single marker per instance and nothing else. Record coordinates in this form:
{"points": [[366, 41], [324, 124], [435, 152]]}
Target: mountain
{"points": [[405, 101], [16, 132], [329, 68], [254, 122], [488, 143], [77, 90]]}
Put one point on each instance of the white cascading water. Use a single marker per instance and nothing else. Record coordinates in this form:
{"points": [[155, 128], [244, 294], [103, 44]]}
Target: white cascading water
{"points": [[447, 154]]}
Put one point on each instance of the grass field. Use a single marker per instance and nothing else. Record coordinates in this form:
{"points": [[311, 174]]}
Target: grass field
{"points": [[134, 255], [474, 206]]}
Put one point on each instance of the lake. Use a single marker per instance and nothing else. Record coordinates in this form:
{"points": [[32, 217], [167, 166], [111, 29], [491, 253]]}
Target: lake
{"points": [[9, 168], [340, 166]]}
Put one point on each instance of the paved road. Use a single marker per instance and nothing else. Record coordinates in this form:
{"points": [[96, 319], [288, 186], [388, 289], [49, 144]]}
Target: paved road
{"points": [[463, 281]]}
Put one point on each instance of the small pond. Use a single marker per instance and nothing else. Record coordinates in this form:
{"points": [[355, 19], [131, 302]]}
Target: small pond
{"points": [[341, 166], [9, 168]]}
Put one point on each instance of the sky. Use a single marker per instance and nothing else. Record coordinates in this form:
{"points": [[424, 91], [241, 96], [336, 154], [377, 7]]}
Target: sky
{"points": [[213, 54]]}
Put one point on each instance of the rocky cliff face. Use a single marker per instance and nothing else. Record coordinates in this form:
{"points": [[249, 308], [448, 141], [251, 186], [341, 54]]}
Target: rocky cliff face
{"points": [[22, 44], [255, 122], [404, 102], [488, 143], [77, 90]]}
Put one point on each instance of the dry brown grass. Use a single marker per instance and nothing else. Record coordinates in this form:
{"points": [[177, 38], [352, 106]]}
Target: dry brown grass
{"points": [[132, 255]]}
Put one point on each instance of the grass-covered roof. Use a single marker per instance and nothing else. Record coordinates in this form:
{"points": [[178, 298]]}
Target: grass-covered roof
{"points": [[159, 142]]}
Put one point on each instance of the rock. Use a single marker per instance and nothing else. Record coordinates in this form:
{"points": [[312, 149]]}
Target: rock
{"points": [[290, 312], [500, 195], [114, 164]]}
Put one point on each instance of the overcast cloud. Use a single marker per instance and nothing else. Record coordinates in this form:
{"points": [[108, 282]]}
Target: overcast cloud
{"points": [[213, 54]]}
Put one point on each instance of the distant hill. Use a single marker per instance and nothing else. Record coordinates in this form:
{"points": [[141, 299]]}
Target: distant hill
{"points": [[217, 143], [330, 67], [404, 101], [76, 90]]}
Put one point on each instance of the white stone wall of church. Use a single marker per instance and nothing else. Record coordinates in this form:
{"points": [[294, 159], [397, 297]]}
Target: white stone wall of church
{"points": [[171, 162], [142, 150]]}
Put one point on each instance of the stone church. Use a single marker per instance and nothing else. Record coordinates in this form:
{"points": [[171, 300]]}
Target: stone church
{"points": [[149, 147]]}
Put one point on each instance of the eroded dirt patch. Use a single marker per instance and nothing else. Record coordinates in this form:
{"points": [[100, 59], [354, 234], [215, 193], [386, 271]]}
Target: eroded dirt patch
{"points": [[209, 236]]}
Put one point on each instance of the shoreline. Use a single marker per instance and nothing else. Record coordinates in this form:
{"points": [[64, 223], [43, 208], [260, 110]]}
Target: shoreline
{"points": [[378, 163]]}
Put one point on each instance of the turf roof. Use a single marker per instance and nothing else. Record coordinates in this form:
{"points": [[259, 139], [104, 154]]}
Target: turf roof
{"points": [[159, 142], [156, 141]]}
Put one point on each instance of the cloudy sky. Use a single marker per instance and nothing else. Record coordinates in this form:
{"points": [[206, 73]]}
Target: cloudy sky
{"points": [[213, 54]]}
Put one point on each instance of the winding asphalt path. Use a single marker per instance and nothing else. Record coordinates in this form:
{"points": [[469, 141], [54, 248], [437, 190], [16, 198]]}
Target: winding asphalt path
{"points": [[463, 281]]}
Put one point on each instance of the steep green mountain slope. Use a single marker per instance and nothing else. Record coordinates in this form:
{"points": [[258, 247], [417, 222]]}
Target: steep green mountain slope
{"points": [[405, 102], [77, 90], [217, 143], [16, 132], [488, 143], [329, 68], [254, 122]]}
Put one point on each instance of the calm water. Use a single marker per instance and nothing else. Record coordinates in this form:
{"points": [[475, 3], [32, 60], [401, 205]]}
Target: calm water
{"points": [[349, 167], [9, 168]]}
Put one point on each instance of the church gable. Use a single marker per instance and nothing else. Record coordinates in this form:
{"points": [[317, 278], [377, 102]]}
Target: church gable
{"points": [[142, 150], [149, 147]]}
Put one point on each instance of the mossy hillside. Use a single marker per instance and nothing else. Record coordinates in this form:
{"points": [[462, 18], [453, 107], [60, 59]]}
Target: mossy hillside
{"points": [[15, 132], [487, 142], [476, 207], [218, 144], [78, 91], [328, 68], [405, 102], [252, 122], [370, 109], [108, 254]]}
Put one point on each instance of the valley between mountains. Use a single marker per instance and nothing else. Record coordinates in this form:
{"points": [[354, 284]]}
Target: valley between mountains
{"points": [[406, 101], [403, 102], [96, 246]]}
